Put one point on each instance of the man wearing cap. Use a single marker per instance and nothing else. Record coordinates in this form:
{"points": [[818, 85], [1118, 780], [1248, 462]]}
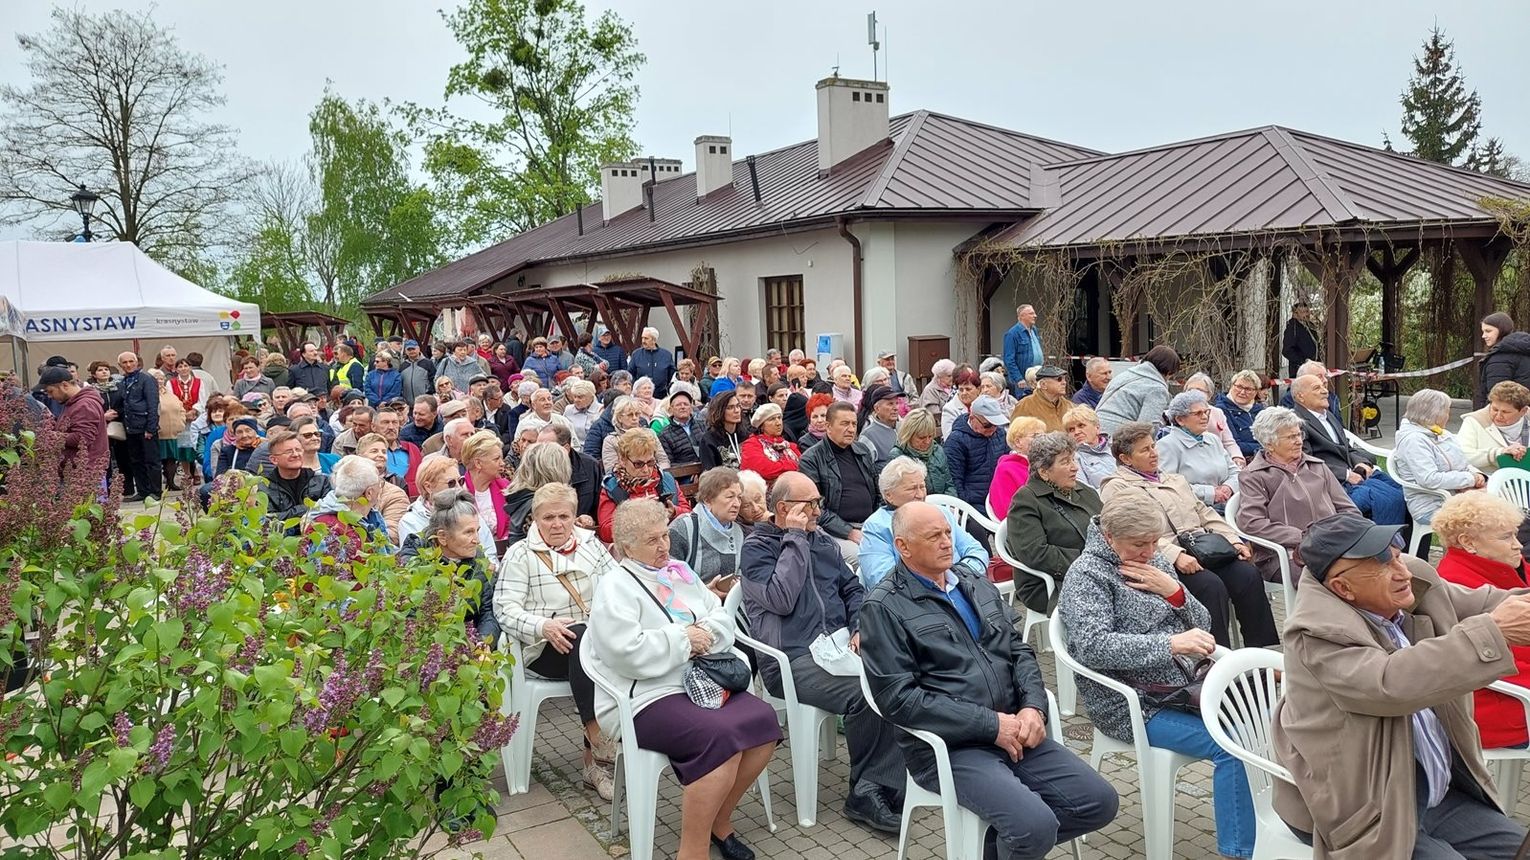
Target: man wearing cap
{"points": [[477, 383], [881, 429], [417, 374], [973, 449], [449, 412], [901, 382], [82, 420], [39, 393], [1376, 724], [1022, 348], [1049, 402], [610, 351], [556, 348]]}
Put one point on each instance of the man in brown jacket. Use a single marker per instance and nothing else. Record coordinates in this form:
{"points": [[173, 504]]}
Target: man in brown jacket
{"points": [[82, 420], [1376, 725]]}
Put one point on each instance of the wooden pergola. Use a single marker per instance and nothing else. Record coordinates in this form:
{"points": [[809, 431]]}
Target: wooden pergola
{"points": [[292, 326], [624, 306]]}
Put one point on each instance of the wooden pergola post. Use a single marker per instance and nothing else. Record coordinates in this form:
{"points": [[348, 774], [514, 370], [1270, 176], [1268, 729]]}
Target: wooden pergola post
{"points": [[991, 281], [1337, 267], [1484, 260], [1389, 270]]}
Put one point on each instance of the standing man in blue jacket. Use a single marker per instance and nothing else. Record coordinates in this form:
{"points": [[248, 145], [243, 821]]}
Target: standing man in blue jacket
{"points": [[139, 394], [1022, 348]]}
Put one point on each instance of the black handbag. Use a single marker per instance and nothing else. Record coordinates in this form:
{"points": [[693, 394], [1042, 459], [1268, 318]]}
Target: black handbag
{"points": [[725, 670], [1179, 697], [1209, 548]]}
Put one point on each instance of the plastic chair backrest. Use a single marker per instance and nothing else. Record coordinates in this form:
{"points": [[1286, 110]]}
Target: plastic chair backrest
{"points": [[1057, 632], [1000, 547], [1513, 485], [603, 681], [1237, 705], [963, 511]]}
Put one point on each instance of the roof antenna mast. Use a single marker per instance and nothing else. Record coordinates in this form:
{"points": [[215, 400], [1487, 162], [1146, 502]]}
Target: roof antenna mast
{"points": [[871, 39]]}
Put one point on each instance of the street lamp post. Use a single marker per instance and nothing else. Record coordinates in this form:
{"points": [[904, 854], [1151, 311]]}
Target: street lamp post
{"points": [[84, 203]]}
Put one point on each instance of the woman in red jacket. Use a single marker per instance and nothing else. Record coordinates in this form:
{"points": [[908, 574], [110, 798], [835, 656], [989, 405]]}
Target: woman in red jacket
{"points": [[1481, 548], [768, 452]]}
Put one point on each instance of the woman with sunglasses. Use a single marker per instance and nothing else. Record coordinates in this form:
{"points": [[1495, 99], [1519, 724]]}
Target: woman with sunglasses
{"points": [[637, 476], [307, 431], [439, 472]]}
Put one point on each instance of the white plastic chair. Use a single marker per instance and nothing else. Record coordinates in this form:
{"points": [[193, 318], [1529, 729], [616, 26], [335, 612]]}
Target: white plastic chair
{"points": [[1505, 763], [810, 731], [1237, 703], [1373, 450], [525, 697], [1156, 768], [1066, 686], [964, 830], [638, 770], [1420, 530], [1286, 586], [1511, 484]]}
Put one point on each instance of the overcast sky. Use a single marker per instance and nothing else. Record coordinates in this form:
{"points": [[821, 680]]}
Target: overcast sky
{"points": [[1108, 75]]}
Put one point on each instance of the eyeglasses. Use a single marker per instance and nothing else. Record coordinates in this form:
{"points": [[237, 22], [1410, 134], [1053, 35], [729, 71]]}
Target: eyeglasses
{"points": [[312, 434], [1239, 386], [816, 504], [453, 483], [1199, 412], [643, 464]]}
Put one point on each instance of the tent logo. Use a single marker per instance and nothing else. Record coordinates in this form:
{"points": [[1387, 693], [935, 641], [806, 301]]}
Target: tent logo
{"points": [[229, 320]]}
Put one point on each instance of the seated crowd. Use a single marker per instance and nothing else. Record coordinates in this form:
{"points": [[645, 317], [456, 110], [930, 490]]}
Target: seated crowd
{"points": [[610, 503]]}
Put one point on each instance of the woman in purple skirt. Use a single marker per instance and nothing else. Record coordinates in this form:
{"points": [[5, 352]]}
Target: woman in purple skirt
{"points": [[650, 617]]}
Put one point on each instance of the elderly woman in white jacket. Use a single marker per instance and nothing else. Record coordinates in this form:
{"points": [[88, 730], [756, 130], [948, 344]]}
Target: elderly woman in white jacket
{"points": [[1500, 429], [1428, 456], [1190, 449], [651, 616]]}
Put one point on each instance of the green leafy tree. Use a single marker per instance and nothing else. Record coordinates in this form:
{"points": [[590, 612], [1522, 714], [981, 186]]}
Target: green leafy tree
{"points": [[561, 91], [347, 224], [116, 104], [1441, 117]]}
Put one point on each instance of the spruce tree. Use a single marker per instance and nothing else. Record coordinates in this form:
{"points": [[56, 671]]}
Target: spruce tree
{"points": [[1440, 116]]}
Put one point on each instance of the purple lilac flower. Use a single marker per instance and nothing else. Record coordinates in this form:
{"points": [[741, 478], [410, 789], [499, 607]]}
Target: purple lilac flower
{"points": [[164, 744], [121, 725], [244, 660], [434, 659], [301, 849], [495, 730]]}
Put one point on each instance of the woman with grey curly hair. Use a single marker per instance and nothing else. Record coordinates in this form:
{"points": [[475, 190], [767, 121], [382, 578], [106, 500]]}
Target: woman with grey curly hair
{"points": [[1429, 457], [1190, 449], [1284, 490], [1049, 518]]}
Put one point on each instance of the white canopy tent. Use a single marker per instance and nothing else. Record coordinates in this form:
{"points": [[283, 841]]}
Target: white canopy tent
{"points": [[89, 301]]}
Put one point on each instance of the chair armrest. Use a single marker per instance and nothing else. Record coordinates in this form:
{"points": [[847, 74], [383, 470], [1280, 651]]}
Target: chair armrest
{"points": [[784, 663], [1522, 694]]}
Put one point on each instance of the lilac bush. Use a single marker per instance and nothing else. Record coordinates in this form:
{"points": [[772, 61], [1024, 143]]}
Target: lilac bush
{"points": [[200, 686]]}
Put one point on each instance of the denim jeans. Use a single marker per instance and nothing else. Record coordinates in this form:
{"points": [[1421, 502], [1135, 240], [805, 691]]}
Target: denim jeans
{"points": [[1233, 803]]}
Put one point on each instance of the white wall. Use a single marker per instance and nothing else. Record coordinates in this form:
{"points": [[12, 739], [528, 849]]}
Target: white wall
{"points": [[909, 282]]}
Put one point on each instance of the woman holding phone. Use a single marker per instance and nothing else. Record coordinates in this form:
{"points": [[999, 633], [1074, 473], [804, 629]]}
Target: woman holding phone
{"points": [[709, 539]]}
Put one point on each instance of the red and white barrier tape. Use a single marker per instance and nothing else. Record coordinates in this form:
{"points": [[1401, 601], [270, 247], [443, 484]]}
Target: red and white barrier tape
{"points": [[1365, 376]]}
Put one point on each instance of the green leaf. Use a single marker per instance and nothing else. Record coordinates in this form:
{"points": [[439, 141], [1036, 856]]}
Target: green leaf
{"points": [[122, 761], [142, 793], [393, 695], [271, 678], [293, 741], [451, 762], [97, 775], [58, 794], [448, 705]]}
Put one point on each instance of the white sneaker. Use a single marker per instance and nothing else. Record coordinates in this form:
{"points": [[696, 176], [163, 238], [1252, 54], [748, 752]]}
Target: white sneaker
{"points": [[598, 777]]}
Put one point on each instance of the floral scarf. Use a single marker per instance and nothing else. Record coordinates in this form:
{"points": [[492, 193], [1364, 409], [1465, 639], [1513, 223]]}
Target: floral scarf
{"points": [[777, 449], [636, 485], [673, 572]]}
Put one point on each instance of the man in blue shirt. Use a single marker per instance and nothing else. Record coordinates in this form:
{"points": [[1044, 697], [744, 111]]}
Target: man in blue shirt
{"points": [[1022, 348]]}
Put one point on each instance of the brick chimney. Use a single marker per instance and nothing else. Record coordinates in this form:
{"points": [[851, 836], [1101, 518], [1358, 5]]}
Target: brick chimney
{"points": [[852, 117]]}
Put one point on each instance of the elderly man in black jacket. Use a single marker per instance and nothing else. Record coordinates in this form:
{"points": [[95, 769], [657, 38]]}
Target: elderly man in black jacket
{"points": [[797, 588], [139, 396], [941, 654], [289, 486], [844, 468]]}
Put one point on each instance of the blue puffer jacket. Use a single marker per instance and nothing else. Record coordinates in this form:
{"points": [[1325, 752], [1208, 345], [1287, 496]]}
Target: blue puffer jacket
{"points": [[612, 355], [595, 437], [972, 459], [383, 385], [1241, 423], [544, 366]]}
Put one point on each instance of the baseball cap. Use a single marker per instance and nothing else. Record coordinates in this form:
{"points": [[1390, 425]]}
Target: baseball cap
{"points": [[987, 408], [56, 361], [1345, 536], [54, 375], [886, 353], [1051, 371], [411, 344], [876, 394]]}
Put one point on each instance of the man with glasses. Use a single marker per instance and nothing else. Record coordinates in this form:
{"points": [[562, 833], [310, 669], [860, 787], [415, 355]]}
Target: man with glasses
{"points": [[403, 457], [1376, 725], [1049, 402], [288, 485], [798, 589]]}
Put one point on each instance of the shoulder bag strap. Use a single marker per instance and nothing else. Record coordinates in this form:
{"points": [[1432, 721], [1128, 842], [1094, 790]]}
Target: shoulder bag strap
{"points": [[1166, 515], [563, 580], [1063, 512]]}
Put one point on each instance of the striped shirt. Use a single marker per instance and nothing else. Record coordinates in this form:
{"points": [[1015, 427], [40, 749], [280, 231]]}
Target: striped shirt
{"points": [[1430, 745]]}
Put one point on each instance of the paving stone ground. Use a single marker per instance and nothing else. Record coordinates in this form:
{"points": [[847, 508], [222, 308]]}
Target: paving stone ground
{"points": [[561, 818]]}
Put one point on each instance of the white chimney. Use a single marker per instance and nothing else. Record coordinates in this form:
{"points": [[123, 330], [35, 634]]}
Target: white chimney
{"points": [[852, 117], [663, 168], [714, 164], [621, 188]]}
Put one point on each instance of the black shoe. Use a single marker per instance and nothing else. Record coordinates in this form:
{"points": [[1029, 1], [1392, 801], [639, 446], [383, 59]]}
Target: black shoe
{"points": [[733, 848], [127, 500], [867, 806]]}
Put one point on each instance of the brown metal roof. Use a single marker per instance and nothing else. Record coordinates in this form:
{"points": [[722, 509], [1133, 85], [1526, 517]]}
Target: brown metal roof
{"points": [[1260, 180], [935, 164]]}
